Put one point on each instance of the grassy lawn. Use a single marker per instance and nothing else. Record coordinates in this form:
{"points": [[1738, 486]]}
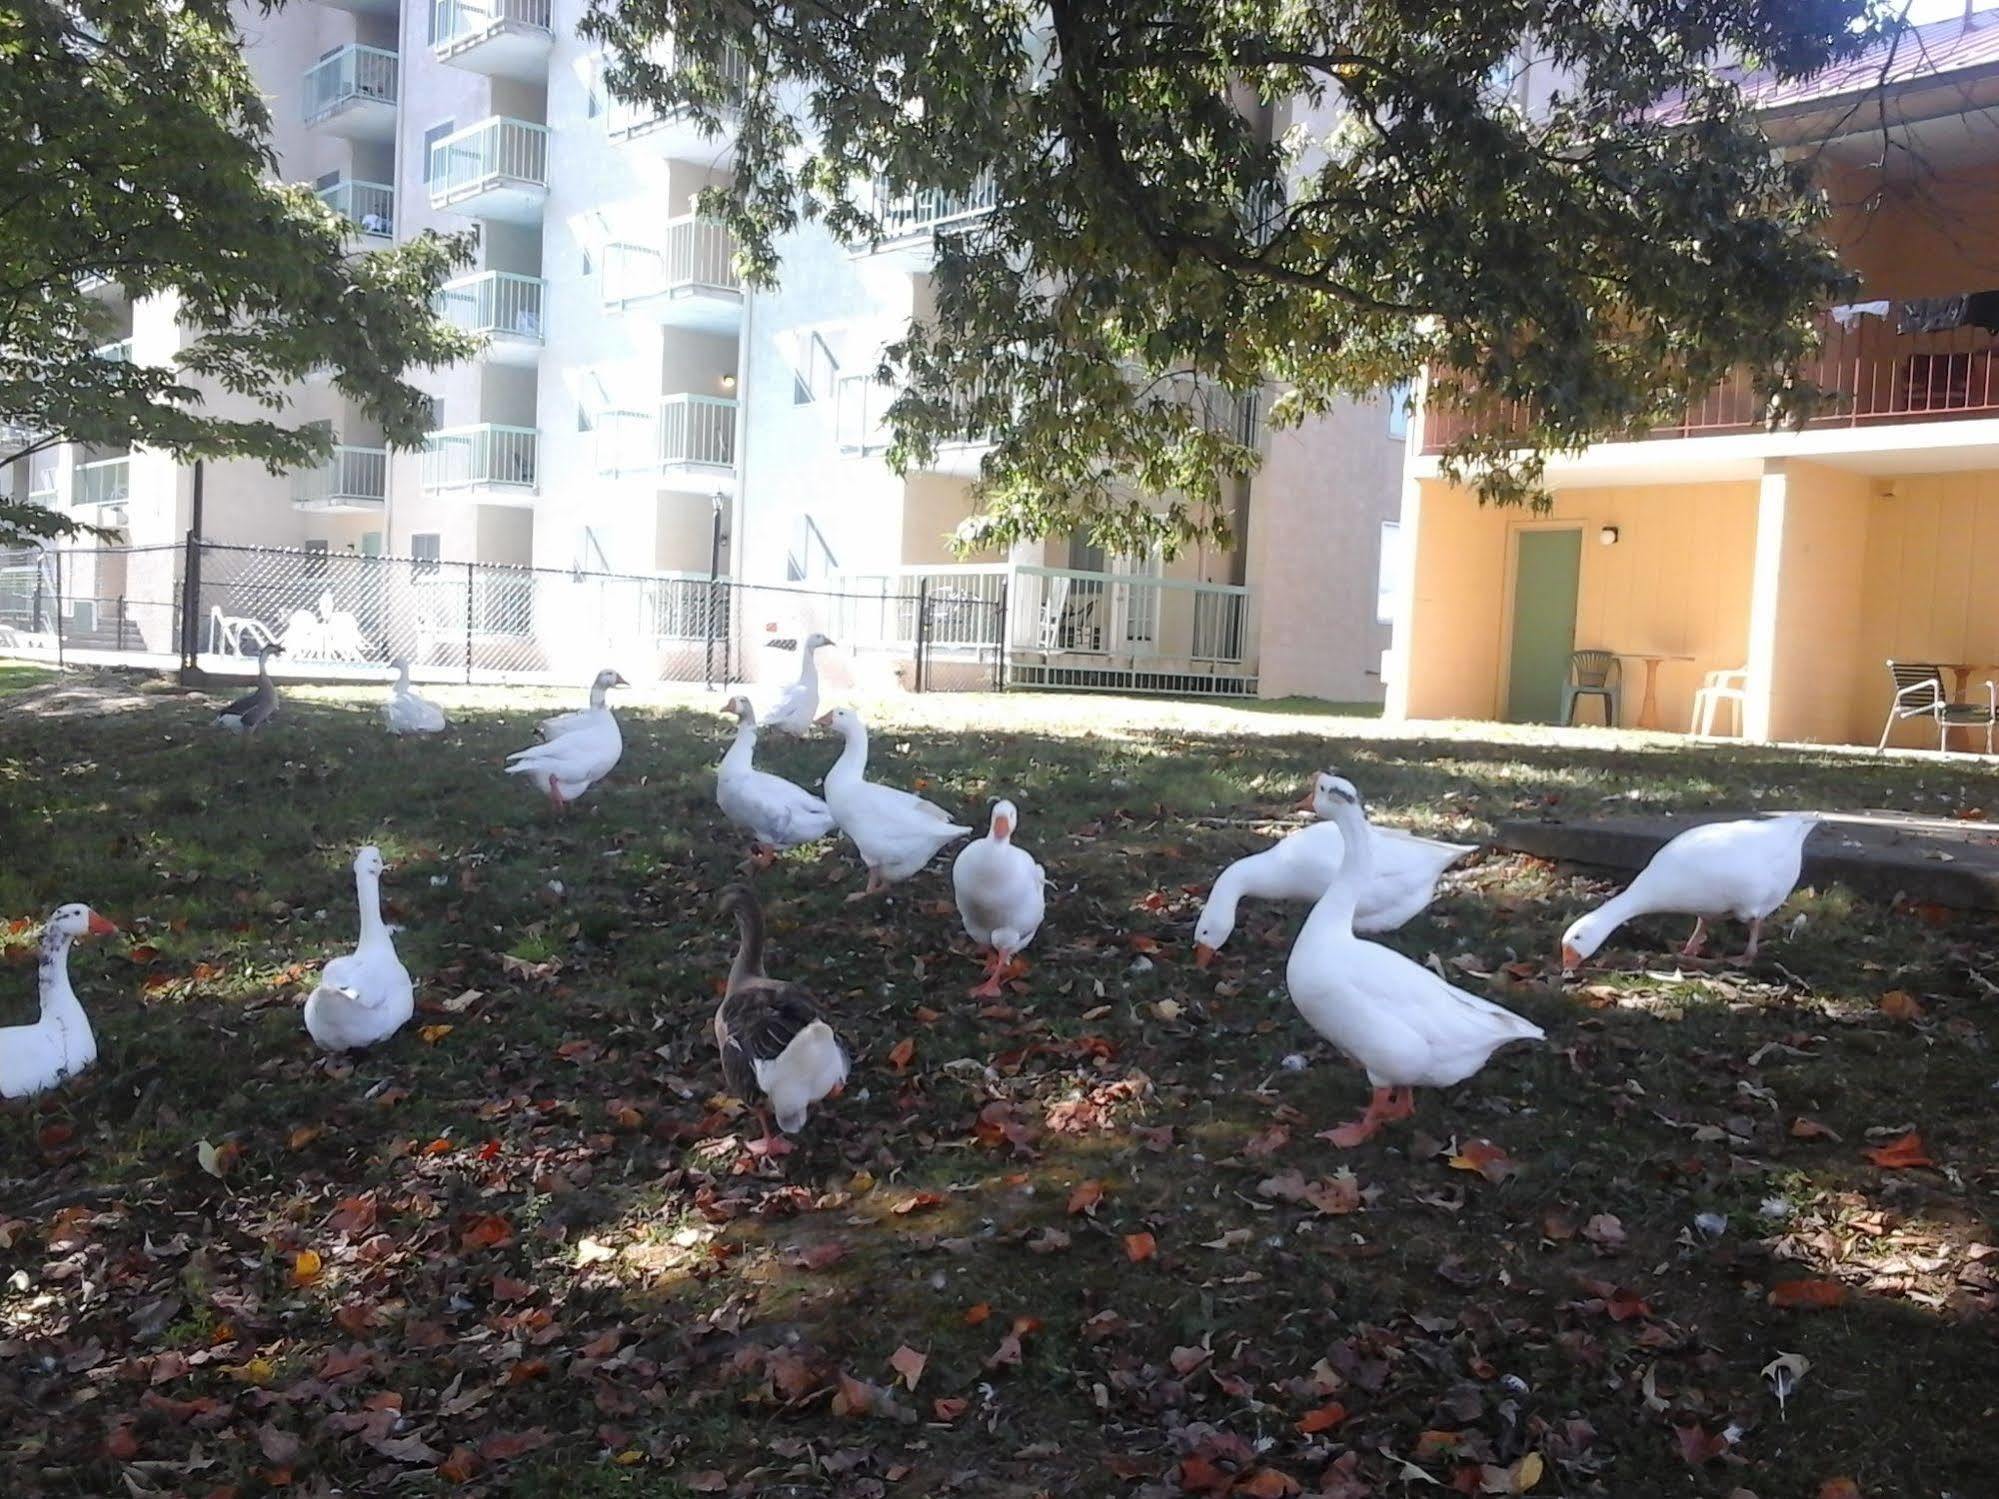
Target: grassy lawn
{"points": [[15, 676], [519, 1248]]}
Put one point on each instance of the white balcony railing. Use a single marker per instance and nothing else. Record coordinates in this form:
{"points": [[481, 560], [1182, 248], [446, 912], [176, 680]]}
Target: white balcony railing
{"points": [[496, 152], [697, 430], [1124, 618], [455, 24], [695, 255], [369, 206], [108, 481], [485, 456], [349, 476], [628, 119], [499, 304], [353, 73], [118, 351], [905, 216]]}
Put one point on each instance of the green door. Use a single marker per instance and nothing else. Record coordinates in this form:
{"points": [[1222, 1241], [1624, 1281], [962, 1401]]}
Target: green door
{"points": [[1544, 623]]}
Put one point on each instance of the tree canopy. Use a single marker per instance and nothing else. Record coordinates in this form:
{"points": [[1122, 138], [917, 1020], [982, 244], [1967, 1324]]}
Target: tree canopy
{"points": [[1331, 195], [135, 145]]}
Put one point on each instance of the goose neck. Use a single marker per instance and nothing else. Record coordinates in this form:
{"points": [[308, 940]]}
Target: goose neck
{"points": [[368, 896], [749, 961], [743, 750], [56, 994], [853, 761]]}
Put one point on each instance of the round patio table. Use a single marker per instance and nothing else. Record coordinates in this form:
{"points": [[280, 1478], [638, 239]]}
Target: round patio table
{"points": [[1962, 671], [1648, 705]]}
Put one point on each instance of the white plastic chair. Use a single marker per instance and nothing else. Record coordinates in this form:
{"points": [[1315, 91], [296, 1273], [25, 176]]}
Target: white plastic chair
{"points": [[1718, 688]]}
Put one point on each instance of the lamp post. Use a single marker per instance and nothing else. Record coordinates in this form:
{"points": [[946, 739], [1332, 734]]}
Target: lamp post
{"points": [[715, 504]]}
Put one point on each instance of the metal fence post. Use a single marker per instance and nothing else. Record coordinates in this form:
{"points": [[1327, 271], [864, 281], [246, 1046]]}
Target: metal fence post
{"points": [[59, 657], [190, 603], [922, 626], [468, 622], [1005, 634], [708, 665]]}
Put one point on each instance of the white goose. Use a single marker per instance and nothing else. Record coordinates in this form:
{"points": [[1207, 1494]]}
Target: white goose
{"points": [[34, 1058], [366, 996], [1403, 1024], [1403, 879], [897, 832], [563, 723], [796, 708], [578, 757], [407, 713], [1001, 895], [1745, 869], [775, 813]]}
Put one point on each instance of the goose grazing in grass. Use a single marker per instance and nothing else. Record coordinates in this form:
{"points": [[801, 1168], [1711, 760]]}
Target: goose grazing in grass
{"points": [[563, 723], [1402, 881], [897, 832], [366, 996], [776, 814], [34, 1058], [562, 768], [406, 713], [778, 1055], [1745, 869], [1001, 897], [1403, 1024], [796, 708], [259, 706]]}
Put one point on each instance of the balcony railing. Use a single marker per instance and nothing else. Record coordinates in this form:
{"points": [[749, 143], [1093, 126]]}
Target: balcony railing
{"points": [[108, 481], [1881, 377], [697, 430], [499, 304], [350, 476], [485, 456], [627, 119], [695, 255], [369, 206], [354, 72], [458, 23], [927, 210], [118, 351], [496, 152]]}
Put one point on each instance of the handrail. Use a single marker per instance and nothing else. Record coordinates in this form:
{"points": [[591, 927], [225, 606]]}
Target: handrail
{"points": [[355, 71]]}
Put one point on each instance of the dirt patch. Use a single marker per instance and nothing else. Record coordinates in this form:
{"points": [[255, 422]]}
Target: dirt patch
{"points": [[98, 695]]}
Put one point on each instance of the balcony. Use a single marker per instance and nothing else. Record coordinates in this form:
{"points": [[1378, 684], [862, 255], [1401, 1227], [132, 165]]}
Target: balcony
{"points": [[368, 207], [676, 133], [1882, 378], [496, 169], [690, 282], [365, 7], [500, 38], [118, 351], [108, 481], [911, 222], [500, 305], [352, 93], [15, 435], [689, 443], [352, 481], [492, 464]]}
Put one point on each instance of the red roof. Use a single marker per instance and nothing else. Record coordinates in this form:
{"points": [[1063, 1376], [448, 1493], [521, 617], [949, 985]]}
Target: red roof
{"points": [[1916, 54]]}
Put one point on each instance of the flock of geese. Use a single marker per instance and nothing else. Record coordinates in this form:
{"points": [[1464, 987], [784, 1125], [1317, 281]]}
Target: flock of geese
{"points": [[1401, 1022]]}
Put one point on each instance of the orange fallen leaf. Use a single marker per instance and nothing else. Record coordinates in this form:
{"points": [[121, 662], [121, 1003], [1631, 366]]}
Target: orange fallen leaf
{"points": [[1199, 1476], [907, 1362], [1486, 1158], [460, 1466], [916, 1202], [1815, 1295], [1268, 1483], [303, 1136], [950, 1408], [902, 1053], [1140, 943], [1085, 1197], [1907, 1151], [1325, 1418], [1839, 1488], [1140, 1247], [1810, 1129], [306, 1266], [974, 1315], [432, 1034], [1900, 1004]]}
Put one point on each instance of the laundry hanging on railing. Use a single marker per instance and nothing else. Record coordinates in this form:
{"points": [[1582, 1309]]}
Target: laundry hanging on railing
{"points": [[1849, 313], [1974, 309]]}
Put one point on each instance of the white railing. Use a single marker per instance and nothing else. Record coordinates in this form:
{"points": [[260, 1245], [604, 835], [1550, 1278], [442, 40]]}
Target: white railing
{"points": [[118, 351], [497, 303], [687, 606], [16, 434], [350, 476], [860, 413], [354, 72], [628, 119], [925, 211], [105, 482], [696, 254], [455, 24], [963, 604], [369, 206], [496, 152], [485, 455], [697, 429]]}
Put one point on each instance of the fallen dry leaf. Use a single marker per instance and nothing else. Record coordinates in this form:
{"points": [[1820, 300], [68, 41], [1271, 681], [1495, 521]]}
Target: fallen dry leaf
{"points": [[1898, 1154], [1811, 1295], [306, 1266], [902, 1054], [1486, 1158], [1900, 1004], [1086, 1196], [1323, 1419], [907, 1362], [1140, 1247]]}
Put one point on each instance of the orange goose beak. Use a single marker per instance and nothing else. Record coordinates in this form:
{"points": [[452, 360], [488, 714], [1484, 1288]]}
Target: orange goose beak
{"points": [[99, 927], [1203, 955]]}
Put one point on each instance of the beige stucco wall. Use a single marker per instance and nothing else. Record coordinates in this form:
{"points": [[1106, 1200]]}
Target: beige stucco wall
{"points": [[1811, 548]]}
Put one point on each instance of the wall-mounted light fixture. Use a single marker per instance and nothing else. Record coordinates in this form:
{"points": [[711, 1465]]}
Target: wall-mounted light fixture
{"points": [[729, 383], [1608, 536]]}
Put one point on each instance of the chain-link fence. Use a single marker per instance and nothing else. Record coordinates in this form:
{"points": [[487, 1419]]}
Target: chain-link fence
{"points": [[215, 606]]}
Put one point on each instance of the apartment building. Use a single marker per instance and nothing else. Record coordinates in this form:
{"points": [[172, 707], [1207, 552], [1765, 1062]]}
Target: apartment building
{"points": [[1785, 570], [636, 410]]}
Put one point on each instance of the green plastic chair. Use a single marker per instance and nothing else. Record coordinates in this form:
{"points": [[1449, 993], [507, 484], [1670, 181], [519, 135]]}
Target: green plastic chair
{"points": [[1593, 674]]}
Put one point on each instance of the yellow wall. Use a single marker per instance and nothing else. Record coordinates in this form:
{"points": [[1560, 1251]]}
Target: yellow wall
{"points": [[1677, 582], [1805, 628], [1931, 236]]}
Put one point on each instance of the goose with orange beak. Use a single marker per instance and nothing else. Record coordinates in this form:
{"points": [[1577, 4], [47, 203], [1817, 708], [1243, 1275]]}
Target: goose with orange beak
{"points": [[775, 813], [1001, 893], [896, 831], [34, 1058]]}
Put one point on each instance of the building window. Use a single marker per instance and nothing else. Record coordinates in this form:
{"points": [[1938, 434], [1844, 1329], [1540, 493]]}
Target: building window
{"points": [[813, 379], [431, 137], [371, 543], [315, 559], [426, 547], [1388, 580], [1399, 396]]}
